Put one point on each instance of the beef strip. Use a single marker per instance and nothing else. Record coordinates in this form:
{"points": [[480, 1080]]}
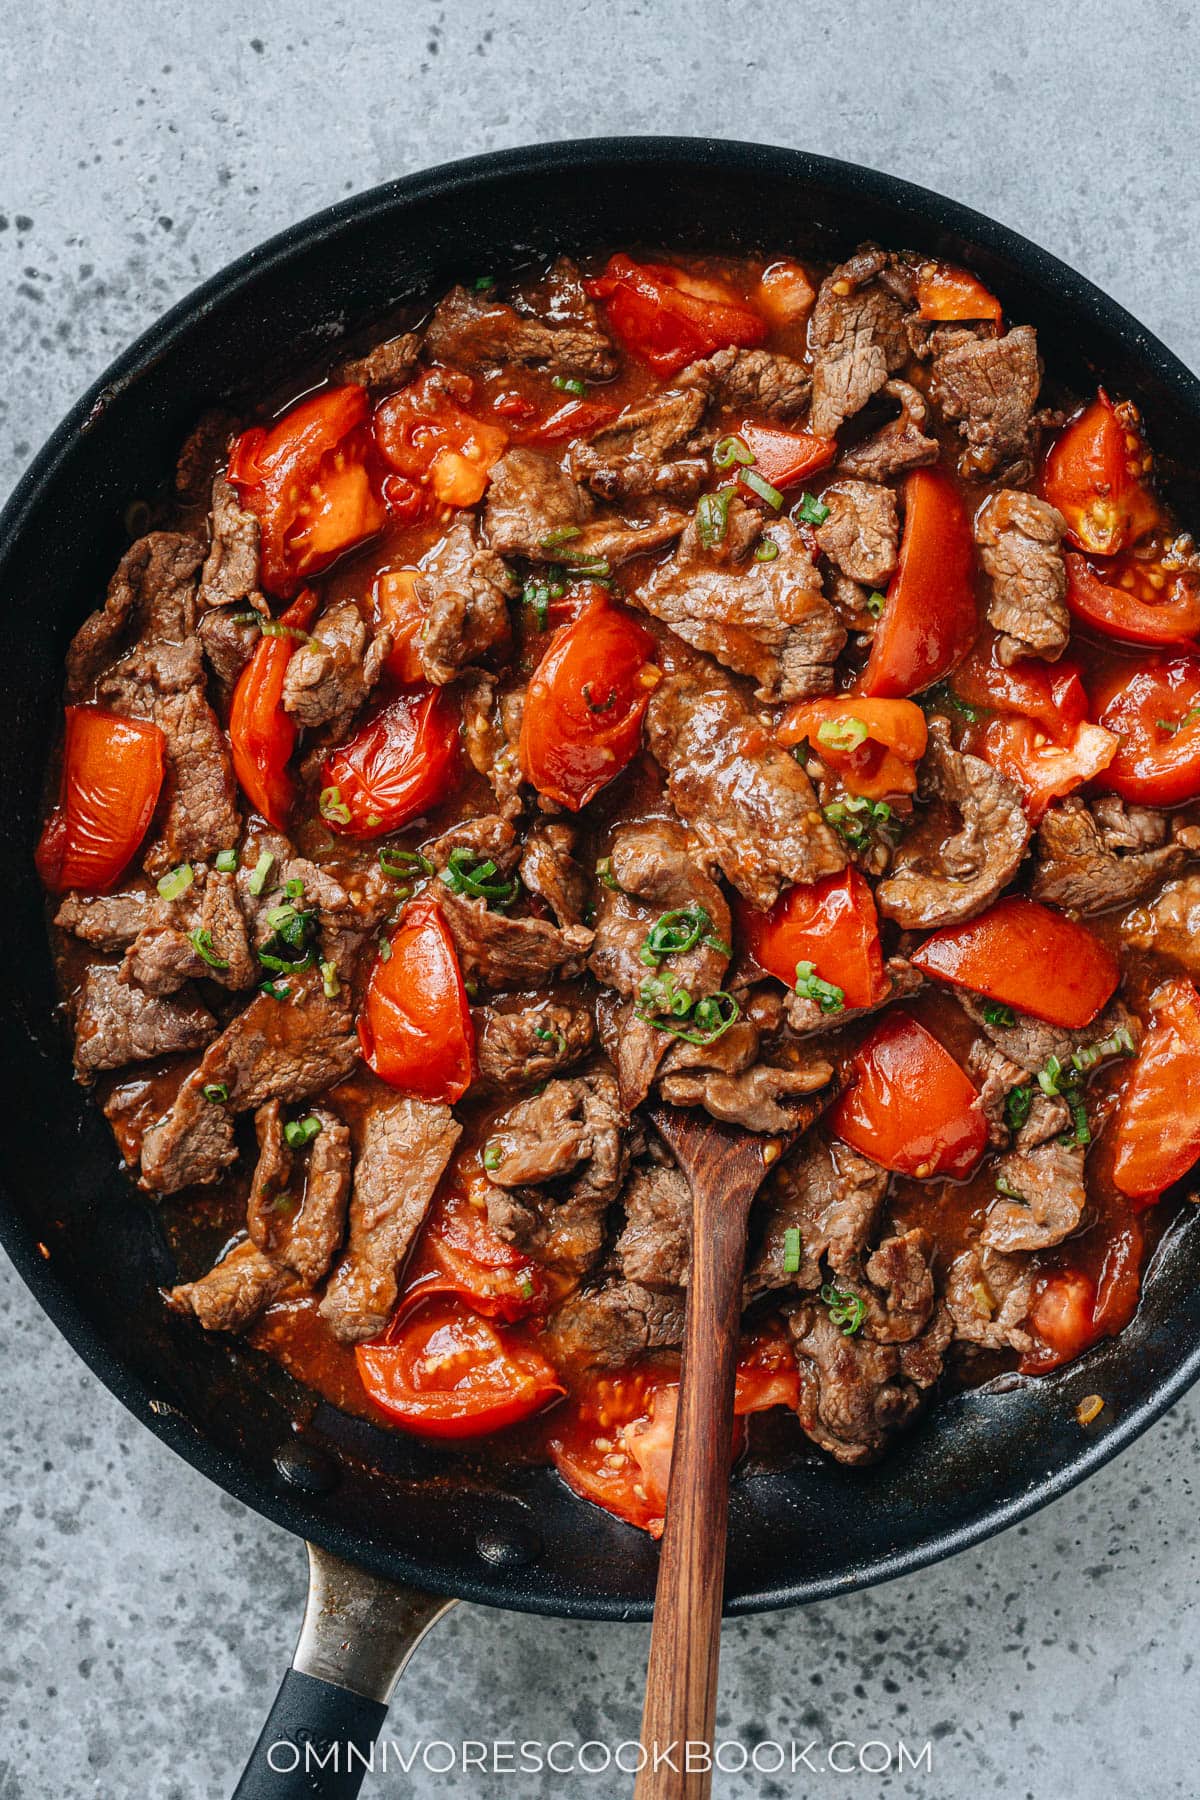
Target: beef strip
{"points": [[1093, 857], [522, 1048], [463, 592], [475, 332], [405, 1147], [1170, 925], [653, 1248], [1030, 1043], [775, 1094], [385, 366], [535, 509], [229, 643], [988, 1296], [610, 1325], [1040, 1197], [230, 575], [748, 801], [901, 445], [489, 836], [962, 874], [549, 869], [105, 921], [989, 387], [854, 1392], [805, 1016], [117, 1024], [491, 729], [329, 677], [206, 445], [832, 1196], [192, 1144], [164, 954], [510, 953], [767, 620], [152, 595], [996, 1075], [862, 530], [242, 1285], [556, 1163], [1019, 538], [633, 457], [858, 338], [757, 381]]}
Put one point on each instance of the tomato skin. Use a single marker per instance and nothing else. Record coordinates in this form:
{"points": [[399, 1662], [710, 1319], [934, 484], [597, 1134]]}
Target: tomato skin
{"points": [[1122, 613], [415, 1028], [946, 292], [658, 314], [112, 775], [1158, 1119], [398, 607], [425, 434], [310, 481], [1063, 1319], [262, 736], [569, 749], [1043, 769], [1139, 703], [1119, 1287], [444, 1372], [575, 418], [785, 293], [908, 1105], [832, 923], [1052, 694], [885, 762], [1093, 474], [785, 457], [1028, 956], [929, 619], [403, 760]]}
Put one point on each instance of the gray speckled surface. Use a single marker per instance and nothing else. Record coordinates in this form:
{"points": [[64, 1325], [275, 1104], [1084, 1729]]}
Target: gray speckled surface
{"points": [[144, 1619]]}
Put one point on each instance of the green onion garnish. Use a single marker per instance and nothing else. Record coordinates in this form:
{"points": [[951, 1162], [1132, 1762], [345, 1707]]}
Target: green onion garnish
{"points": [[294, 889], [525, 1284], [662, 994], [276, 629], [996, 1013], [669, 1008], [760, 486], [846, 1310], [712, 517], [842, 734], [569, 384], [1119, 1043], [332, 807], [547, 1036], [1016, 1107], [1004, 1186], [483, 282], [275, 990], [176, 882], [262, 869], [730, 450], [226, 861], [385, 950], [202, 944], [331, 987], [562, 535], [1050, 1076], [810, 986], [491, 1156], [467, 872], [678, 931], [810, 511], [299, 1132], [767, 551], [604, 873], [216, 1091], [403, 865], [791, 1250], [875, 602]]}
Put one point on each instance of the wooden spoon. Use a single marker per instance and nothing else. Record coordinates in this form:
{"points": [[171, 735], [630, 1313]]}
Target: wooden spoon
{"points": [[725, 1167]]}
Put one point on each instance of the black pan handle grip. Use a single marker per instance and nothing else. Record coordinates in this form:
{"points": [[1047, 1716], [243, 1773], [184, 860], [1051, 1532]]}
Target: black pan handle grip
{"points": [[358, 1633]]}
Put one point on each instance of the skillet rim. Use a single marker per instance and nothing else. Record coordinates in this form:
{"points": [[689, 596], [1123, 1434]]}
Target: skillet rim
{"points": [[1029, 260]]}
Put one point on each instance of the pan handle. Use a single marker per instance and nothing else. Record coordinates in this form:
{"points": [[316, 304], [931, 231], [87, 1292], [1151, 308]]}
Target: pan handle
{"points": [[358, 1634]]}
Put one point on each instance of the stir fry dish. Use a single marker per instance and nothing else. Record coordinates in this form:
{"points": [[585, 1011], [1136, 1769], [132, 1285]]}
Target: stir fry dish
{"points": [[739, 684]]}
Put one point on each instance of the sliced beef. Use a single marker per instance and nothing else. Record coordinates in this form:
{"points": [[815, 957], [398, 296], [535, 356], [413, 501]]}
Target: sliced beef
{"points": [[1040, 1197], [1171, 923], [768, 620], [805, 1017], [901, 445], [463, 593], [646, 450], [1093, 857], [898, 1287], [116, 1024], [653, 1248], [832, 1196], [105, 921], [510, 953], [1019, 538], [757, 381], [945, 880], [152, 594], [748, 801], [556, 1163], [862, 530], [271, 1179], [521, 1048], [775, 1094], [282, 1049], [206, 445], [298, 1214], [405, 1147], [988, 1296], [858, 338], [491, 728], [856, 1393], [385, 366], [230, 573], [549, 869], [608, 1326], [474, 332], [165, 952], [996, 1076], [229, 642], [192, 1144], [989, 387], [232, 1294], [535, 509], [490, 837], [330, 676], [1030, 1043], [636, 1047]]}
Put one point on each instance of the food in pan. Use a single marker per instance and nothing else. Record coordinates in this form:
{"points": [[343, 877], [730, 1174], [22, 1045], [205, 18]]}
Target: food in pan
{"points": [[738, 684]]}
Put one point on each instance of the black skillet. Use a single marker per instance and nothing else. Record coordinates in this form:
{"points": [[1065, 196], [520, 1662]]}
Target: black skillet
{"points": [[392, 1510]]}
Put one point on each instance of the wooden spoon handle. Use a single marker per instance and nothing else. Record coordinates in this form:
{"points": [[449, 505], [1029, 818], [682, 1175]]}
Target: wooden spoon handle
{"points": [[681, 1681]]}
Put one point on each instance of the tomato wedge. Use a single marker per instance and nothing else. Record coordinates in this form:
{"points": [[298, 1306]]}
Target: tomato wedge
{"points": [[444, 1372], [398, 607], [908, 1105], [1025, 955], [415, 1028], [946, 292], [1158, 1121], [310, 481], [785, 457], [785, 293], [929, 618], [1124, 602], [670, 318], [1042, 768], [405, 759], [583, 713], [424, 432], [576, 418], [1094, 474], [111, 777], [832, 924], [1153, 709], [873, 745], [1120, 1284], [261, 734], [459, 1254], [1063, 1319], [1050, 693]]}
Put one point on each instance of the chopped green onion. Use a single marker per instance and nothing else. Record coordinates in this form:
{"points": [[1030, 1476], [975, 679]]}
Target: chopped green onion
{"points": [[525, 1284], [810, 986], [275, 990], [291, 925], [712, 518], [1050, 1076], [562, 535], [226, 861], [202, 944], [1016, 1107], [547, 1036], [403, 865], [703, 1023], [294, 889], [538, 592], [855, 818], [1082, 1132], [760, 486], [249, 617], [842, 734], [1171, 726], [483, 283], [569, 384], [491, 1156], [810, 511], [385, 950], [941, 696], [262, 869], [331, 987], [604, 873], [1119, 1043], [216, 1091], [730, 450], [598, 706], [875, 602], [176, 882], [767, 551], [996, 1013], [276, 629], [596, 568], [846, 1310], [662, 994], [282, 965], [1005, 1187], [299, 1132], [678, 931], [467, 872], [332, 807], [791, 1250]]}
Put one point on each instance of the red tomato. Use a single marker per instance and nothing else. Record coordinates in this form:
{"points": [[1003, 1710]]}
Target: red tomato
{"points": [[766, 1372], [576, 418], [1062, 1317], [1125, 603], [111, 776], [946, 292], [785, 293], [397, 607], [1153, 708], [405, 759], [785, 457], [882, 762], [1043, 768], [433, 442], [583, 713], [1051, 693], [310, 482], [1120, 1283], [668, 317], [1158, 1120], [1027, 956], [261, 734], [832, 924], [929, 620], [444, 1372], [1094, 474], [908, 1105], [458, 1253], [415, 1027]]}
